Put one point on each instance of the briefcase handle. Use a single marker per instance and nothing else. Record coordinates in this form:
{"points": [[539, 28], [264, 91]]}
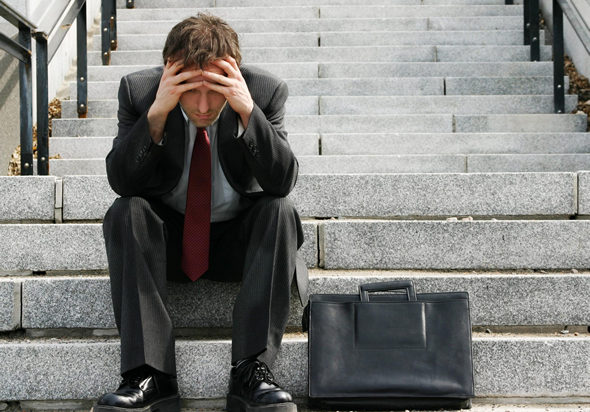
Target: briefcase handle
{"points": [[408, 285]]}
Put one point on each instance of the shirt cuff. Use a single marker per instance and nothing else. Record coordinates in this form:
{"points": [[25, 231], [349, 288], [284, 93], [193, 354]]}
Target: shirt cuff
{"points": [[163, 141], [240, 128]]}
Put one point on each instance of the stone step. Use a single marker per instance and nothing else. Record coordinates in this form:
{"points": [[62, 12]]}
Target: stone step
{"points": [[384, 105], [345, 244], [408, 123], [583, 195], [496, 299], [309, 70], [42, 247], [453, 143], [344, 12], [33, 198], [103, 95], [251, 3], [312, 164], [386, 195], [226, 13], [446, 37], [357, 54], [378, 144], [490, 123], [27, 198], [258, 3], [327, 12], [11, 303], [503, 123], [435, 69], [345, 164], [528, 163], [127, 42], [99, 147], [436, 163], [338, 24], [536, 366], [369, 244]]}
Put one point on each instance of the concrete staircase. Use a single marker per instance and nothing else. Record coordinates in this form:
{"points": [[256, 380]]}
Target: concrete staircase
{"points": [[428, 151]]}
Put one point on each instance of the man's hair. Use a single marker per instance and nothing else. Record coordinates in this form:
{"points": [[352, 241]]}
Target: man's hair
{"points": [[200, 39]]}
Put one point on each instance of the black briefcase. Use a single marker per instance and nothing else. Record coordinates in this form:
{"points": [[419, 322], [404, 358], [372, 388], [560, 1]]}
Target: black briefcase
{"points": [[389, 351]]}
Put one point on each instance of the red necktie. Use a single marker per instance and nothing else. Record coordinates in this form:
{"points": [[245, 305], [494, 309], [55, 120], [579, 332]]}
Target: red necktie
{"points": [[197, 217]]}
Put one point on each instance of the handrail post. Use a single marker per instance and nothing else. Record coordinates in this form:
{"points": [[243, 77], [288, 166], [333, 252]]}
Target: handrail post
{"points": [[42, 104], [82, 63], [105, 14], [130, 4], [534, 34], [558, 59], [26, 105], [527, 22], [114, 25]]}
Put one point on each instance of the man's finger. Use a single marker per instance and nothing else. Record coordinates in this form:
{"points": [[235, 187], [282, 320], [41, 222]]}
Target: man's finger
{"points": [[172, 67], [233, 63], [217, 77], [176, 66], [189, 86], [188, 74], [228, 68], [217, 87]]}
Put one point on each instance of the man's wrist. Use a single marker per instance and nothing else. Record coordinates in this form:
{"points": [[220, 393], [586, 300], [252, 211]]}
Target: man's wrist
{"points": [[156, 123], [245, 116]]}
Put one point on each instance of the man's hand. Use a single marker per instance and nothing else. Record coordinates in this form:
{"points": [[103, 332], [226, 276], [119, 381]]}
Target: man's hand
{"points": [[167, 97], [233, 87]]}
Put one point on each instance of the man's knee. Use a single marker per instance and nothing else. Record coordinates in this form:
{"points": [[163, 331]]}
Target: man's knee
{"points": [[123, 207], [276, 205]]}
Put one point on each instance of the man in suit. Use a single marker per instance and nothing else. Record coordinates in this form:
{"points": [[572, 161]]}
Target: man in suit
{"points": [[203, 167]]}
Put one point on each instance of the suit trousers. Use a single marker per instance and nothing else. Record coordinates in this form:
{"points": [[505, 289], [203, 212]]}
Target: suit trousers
{"points": [[143, 240]]}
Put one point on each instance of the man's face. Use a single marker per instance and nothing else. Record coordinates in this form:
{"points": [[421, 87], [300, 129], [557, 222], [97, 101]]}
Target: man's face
{"points": [[202, 105]]}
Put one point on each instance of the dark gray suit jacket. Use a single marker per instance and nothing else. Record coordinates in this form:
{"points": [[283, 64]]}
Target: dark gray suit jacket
{"points": [[259, 163]]}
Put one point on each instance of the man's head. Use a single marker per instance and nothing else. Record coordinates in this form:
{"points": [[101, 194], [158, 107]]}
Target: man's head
{"points": [[197, 42]]}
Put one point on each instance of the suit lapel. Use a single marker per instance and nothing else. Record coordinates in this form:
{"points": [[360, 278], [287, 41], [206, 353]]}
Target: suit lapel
{"points": [[227, 146], [175, 127]]}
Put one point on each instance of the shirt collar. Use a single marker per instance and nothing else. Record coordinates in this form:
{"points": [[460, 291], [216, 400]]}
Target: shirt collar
{"points": [[184, 114]]}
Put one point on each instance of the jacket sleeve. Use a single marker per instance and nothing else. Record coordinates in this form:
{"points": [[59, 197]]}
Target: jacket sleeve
{"points": [[266, 148], [134, 157]]}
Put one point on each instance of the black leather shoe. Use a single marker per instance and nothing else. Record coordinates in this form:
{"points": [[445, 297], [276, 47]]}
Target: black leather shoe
{"points": [[252, 389], [145, 390]]}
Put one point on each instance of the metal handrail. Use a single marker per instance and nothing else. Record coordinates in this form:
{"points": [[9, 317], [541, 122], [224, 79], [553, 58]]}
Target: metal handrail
{"points": [[109, 29], [71, 10], [531, 38]]}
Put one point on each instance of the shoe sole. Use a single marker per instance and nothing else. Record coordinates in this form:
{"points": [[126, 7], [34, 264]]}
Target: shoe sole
{"points": [[170, 404], [239, 404]]}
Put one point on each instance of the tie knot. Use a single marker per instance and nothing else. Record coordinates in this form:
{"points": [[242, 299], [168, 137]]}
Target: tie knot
{"points": [[202, 134]]}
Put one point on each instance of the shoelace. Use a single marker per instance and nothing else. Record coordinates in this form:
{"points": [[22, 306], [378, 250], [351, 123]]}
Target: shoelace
{"points": [[259, 372], [134, 379]]}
